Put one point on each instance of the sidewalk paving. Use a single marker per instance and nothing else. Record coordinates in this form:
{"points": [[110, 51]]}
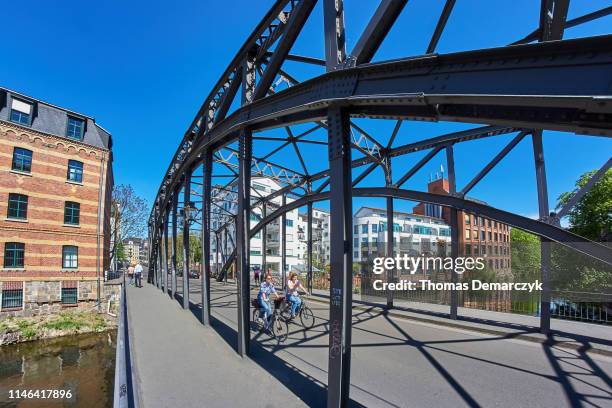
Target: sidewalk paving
{"points": [[173, 352]]}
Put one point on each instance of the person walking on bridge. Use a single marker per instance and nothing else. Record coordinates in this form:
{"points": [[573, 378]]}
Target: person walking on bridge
{"points": [[130, 273], [138, 273]]}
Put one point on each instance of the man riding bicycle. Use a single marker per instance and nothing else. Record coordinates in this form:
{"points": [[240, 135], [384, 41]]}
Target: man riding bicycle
{"points": [[293, 296], [265, 290]]}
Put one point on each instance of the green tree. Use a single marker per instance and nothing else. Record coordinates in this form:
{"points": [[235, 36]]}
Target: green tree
{"points": [[195, 249], [129, 214], [591, 217], [120, 251], [525, 256]]}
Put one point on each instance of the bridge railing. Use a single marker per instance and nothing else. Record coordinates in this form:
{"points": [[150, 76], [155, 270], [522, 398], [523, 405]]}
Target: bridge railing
{"points": [[124, 393]]}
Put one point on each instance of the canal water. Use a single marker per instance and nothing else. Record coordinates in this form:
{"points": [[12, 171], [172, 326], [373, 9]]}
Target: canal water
{"points": [[83, 365]]}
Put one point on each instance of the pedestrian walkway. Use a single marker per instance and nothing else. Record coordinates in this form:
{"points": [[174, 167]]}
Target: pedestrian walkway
{"points": [[178, 362]]}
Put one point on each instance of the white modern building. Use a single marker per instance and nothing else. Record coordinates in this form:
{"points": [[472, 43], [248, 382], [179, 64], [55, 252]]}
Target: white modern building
{"points": [[223, 210], [412, 234], [320, 236]]}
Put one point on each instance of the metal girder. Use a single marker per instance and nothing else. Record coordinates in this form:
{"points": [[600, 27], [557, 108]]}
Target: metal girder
{"points": [[493, 162], [263, 168], [418, 166], [554, 233], [455, 137], [335, 40], [543, 209], [165, 251], [567, 207], [534, 35], [207, 199], [375, 32], [174, 246], [294, 25], [186, 199], [301, 58], [541, 92], [446, 11], [552, 19], [341, 259], [454, 224], [554, 85], [242, 242]]}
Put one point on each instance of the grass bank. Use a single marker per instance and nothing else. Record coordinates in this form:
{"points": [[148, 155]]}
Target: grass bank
{"points": [[21, 329]]}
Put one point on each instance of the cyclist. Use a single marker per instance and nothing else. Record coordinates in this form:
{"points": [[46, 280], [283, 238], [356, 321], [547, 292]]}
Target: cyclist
{"points": [[293, 284], [265, 290]]}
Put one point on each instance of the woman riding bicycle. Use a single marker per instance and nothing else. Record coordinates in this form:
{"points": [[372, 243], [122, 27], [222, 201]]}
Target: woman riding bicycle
{"points": [[293, 284], [265, 290]]}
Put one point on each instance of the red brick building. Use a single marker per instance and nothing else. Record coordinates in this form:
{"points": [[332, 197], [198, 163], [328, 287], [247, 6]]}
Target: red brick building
{"points": [[478, 235], [56, 183]]}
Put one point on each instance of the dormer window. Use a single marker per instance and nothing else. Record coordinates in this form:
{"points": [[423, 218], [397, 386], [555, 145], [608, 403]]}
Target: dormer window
{"points": [[74, 128], [21, 112]]}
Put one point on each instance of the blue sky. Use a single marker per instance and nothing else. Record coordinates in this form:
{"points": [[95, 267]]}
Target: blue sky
{"points": [[143, 68]]}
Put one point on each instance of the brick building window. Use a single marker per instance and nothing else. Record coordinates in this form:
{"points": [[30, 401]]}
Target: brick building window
{"points": [[14, 254], [72, 213], [75, 127], [12, 295], [22, 160], [17, 206], [70, 256], [75, 171], [69, 293], [21, 112]]}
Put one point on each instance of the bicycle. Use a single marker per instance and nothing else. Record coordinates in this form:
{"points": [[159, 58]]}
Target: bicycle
{"points": [[278, 327], [306, 315]]}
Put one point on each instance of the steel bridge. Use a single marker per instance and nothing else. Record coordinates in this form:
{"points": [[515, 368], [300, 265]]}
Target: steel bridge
{"points": [[539, 82]]}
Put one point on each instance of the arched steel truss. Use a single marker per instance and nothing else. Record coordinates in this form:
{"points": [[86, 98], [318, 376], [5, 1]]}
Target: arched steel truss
{"points": [[520, 89]]}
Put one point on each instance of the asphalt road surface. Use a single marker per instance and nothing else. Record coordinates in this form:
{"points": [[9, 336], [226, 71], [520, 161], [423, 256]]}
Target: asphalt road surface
{"points": [[402, 363]]}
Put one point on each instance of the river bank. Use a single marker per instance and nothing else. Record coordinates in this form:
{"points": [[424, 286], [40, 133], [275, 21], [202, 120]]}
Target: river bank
{"points": [[24, 329]]}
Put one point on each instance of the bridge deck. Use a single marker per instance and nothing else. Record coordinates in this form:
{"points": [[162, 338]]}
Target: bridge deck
{"points": [[179, 363], [395, 362]]}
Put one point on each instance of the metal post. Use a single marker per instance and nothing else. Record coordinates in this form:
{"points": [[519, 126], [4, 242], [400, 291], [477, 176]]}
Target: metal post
{"points": [[264, 236], [206, 200], [225, 254], [165, 253], [390, 245], [454, 218], [242, 240], [186, 200], [217, 249], [335, 41], [283, 237], [540, 169], [174, 232], [309, 233], [341, 258]]}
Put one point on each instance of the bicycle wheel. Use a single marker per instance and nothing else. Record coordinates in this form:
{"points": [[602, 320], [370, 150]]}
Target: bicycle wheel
{"points": [[280, 329], [258, 320], [307, 317]]}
